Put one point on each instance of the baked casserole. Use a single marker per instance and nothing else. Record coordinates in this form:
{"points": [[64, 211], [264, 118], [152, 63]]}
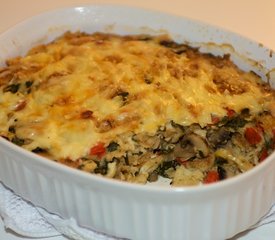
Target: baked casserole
{"points": [[136, 108]]}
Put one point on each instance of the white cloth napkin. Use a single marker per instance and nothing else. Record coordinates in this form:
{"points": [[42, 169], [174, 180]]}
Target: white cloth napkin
{"points": [[27, 220]]}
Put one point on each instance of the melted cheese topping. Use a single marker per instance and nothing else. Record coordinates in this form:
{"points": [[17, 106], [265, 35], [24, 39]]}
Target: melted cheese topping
{"points": [[87, 89]]}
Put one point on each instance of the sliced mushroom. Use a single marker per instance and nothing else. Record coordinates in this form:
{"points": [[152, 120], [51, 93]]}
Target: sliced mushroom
{"points": [[185, 153], [218, 137], [202, 164], [190, 146], [151, 164], [173, 132], [242, 163], [196, 143], [228, 170], [147, 141], [153, 177], [165, 147]]}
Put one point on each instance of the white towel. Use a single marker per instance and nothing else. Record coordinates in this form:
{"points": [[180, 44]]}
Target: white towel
{"points": [[27, 220]]}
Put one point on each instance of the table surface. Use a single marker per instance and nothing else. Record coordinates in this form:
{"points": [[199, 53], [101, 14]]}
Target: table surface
{"points": [[253, 19]]}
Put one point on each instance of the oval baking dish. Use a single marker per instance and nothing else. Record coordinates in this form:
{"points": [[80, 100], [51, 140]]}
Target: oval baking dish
{"points": [[152, 211]]}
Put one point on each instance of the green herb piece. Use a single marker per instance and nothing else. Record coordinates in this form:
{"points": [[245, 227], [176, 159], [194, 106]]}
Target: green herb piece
{"points": [[102, 167], [13, 88], [112, 146], [28, 84], [148, 80], [12, 129], [220, 161], [165, 166], [222, 173], [18, 141], [39, 150], [124, 95], [236, 122]]}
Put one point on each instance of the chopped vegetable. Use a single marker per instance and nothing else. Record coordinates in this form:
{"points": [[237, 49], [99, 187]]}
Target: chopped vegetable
{"points": [[147, 80], [222, 173], [124, 95], [28, 84], [252, 136], [18, 141], [230, 112], [98, 150], [12, 129], [220, 160], [13, 88], [263, 155], [112, 146], [215, 119], [102, 167], [236, 122], [218, 136], [39, 150], [165, 166], [211, 177]]}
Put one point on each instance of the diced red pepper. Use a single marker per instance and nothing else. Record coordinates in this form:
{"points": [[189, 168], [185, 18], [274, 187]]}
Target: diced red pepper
{"points": [[252, 136], [263, 155], [98, 150], [215, 119], [211, 177], [230, 112]]}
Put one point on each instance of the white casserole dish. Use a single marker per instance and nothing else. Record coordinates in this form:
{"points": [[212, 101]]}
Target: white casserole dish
{"points": [[216, 211]]}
